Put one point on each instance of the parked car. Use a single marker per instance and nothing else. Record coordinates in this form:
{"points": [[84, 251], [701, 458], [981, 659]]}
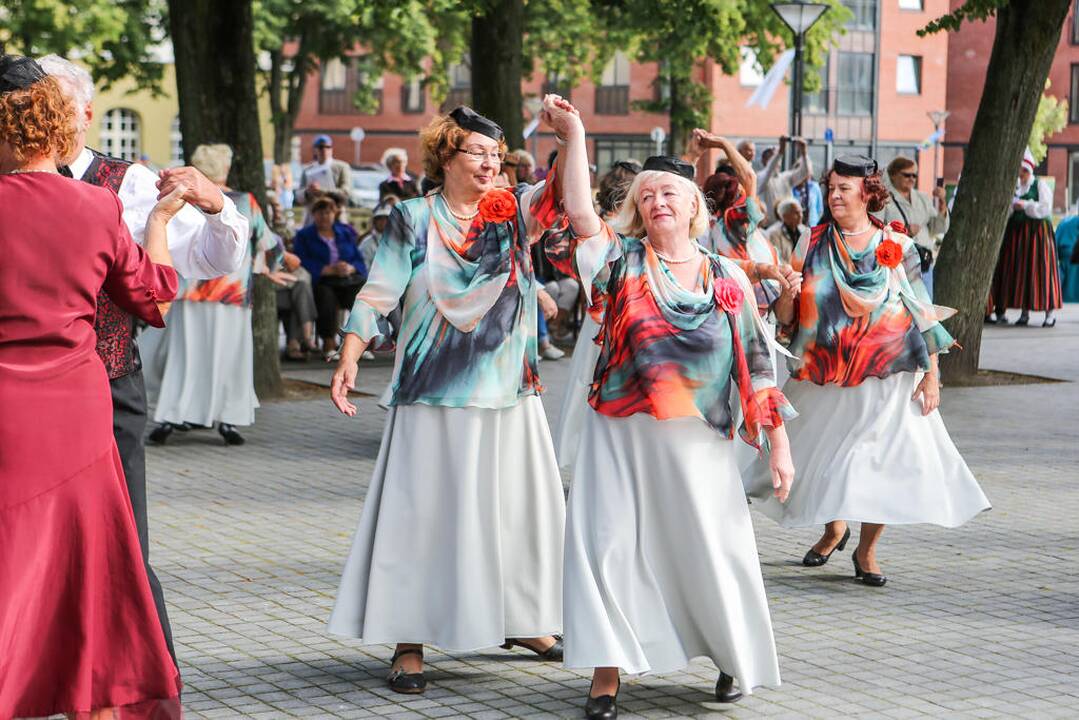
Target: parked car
{"points": [[365, 181]]}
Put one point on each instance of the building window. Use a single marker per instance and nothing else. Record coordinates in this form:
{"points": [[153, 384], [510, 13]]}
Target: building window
{"points": [[865, 14], [908, 75], [611, 150], [176, 143], [1075, 23], [334, 75], [1073, 100], [413, 96], [612, 95], [855, 86], [339, 82], [911, 5], [817, 102], [120, 136], [1073, 178], [557, 83], [460, 92], [749, 72]]}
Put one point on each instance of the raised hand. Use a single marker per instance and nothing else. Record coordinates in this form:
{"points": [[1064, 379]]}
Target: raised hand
{"points": [[560, 115], [168, 205], [199, 190]]}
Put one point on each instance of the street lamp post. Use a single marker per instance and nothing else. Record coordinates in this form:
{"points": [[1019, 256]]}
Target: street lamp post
{"points": [[938, 117], [799, 17]]}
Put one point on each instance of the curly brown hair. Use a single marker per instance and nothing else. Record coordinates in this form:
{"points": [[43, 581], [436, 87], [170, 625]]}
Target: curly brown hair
{"points": [[38, 121], [439, 140], [876, 195], [721, 188]]}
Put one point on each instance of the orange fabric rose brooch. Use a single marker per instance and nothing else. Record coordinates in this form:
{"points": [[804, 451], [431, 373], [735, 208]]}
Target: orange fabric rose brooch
{"points": [[729, 294], [498, 206], [899, 226], [889, 253]]}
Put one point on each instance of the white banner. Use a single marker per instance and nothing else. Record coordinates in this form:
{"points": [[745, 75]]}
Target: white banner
{"points": [[764, 92]]}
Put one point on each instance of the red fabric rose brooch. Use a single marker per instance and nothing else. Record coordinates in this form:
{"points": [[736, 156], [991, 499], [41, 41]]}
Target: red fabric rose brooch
{"points": [[899, 226], [729, 294], [889, 253], [498, 206]]}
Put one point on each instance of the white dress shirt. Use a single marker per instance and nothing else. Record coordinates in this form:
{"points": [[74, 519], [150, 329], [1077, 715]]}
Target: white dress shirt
{"points": [[202, 245], [774, 185]]}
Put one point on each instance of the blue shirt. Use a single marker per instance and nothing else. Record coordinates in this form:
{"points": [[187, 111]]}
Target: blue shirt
{"points": [[314, 252]]}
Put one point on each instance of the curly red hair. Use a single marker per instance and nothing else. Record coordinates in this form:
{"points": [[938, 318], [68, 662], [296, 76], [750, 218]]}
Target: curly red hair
{"points": [[38, 121], [721, 189], [873, 190]]}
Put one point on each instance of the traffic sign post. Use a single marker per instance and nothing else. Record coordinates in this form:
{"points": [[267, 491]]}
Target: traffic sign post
{"points": [[357, 135], [658, 136]]}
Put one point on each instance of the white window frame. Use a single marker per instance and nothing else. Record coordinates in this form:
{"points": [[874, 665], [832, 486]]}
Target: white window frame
{"points": [[908, 75], [121, 133], [616, 72], [176, 143], [749, 72]]}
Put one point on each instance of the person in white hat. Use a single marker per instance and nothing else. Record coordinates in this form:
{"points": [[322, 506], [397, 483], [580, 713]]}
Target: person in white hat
{"points": [[1027, 276]]}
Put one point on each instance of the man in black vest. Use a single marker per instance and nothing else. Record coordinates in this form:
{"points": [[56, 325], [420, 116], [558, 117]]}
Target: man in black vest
{"points": [[207, 239]]}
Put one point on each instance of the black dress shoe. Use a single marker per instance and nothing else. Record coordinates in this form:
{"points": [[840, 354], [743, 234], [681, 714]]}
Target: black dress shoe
{"points": [[1049, 322], [725, 692], [232, 437], [1022, 322], [406, 683], [604, 707], [815, 559], [160, 434], [553, 653], [870, 579]]}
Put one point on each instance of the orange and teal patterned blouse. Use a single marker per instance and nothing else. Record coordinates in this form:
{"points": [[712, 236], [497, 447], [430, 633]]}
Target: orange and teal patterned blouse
{"points": [[862, 314], [668, 351], [235, 288], [467, 299], [736, 234]]}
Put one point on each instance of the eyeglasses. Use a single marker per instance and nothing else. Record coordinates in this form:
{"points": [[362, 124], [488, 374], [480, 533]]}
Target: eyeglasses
{"points": [[910, 176], [479, 155]]}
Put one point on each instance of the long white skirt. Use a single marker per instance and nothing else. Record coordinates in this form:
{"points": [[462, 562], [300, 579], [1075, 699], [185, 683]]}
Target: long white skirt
{"points": [[661, 561], [459, 543], [200, 367], [867, 454], [567, 436]]}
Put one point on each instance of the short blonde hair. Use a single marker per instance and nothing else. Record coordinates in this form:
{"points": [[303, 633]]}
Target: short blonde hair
{"points": [[439, 140], [38, 121], [629, 222], [213, 161]]}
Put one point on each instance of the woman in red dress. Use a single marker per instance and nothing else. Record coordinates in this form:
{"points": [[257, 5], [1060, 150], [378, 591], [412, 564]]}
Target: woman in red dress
{"points": [[78, 629]]}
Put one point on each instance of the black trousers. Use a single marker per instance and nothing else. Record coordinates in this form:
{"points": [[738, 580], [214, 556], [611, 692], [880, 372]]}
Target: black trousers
{"points": [[128, 425], [331, 294]]}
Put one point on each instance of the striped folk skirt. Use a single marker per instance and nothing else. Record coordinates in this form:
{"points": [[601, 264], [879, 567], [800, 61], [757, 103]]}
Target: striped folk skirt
{"points": [[1027, 277]]}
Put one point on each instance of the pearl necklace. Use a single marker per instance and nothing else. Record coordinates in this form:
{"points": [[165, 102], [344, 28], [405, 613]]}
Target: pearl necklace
{"points": [[462, 218], [672, 261], [856, 232]]}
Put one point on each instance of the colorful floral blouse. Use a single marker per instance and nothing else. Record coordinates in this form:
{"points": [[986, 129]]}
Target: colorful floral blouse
{"points": [[736, 235], [862, 314], [668, 351], [468, 324], [235, 288]]}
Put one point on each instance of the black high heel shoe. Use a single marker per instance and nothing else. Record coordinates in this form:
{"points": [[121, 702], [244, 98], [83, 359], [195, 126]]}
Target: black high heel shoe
{"points": [[870, 579], [406, 683], [604, 707], [231, 435], [815, 559], [725, 692], [553, 653], [160, 434]]}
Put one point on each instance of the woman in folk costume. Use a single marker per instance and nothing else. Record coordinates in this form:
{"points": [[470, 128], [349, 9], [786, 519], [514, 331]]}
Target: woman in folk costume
{"points": [[200, 369], [1027, 276], [870, 446], [661, 561], [460, 541], [79, 632]]}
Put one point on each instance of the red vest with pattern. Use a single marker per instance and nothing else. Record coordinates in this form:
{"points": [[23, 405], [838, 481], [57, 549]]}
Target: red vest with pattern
{"points": [[115, 326]]}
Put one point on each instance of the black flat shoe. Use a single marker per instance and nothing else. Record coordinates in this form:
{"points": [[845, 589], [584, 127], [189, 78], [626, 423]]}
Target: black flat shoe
{"points": [[815, 559], [604, 707], [553, 653], [232, 437], [725, 692], [1022, 322], [406, 683], [870, 579], [1049, 322], [160, 434]]}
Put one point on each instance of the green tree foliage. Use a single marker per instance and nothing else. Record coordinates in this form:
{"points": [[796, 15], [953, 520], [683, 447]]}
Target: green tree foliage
{"points": [[980, 10], [115, 39], [1051, 118]]}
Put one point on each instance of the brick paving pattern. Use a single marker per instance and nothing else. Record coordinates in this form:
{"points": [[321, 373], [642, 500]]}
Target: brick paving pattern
{"points": [[979, 622]]}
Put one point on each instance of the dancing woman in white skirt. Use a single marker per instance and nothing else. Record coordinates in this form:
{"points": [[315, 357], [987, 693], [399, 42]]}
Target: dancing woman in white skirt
{"points": [[460, 540], [870, 446], [661, 562]]}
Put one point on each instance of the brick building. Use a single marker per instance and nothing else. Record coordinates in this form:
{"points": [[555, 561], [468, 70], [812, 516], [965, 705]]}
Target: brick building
{"points": [[880, 82], [968, 59]]}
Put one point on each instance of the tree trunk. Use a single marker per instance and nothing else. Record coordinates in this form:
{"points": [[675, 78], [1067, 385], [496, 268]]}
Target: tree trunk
{"points": [[1023, 50], [215, 82], [679, 112], [264, 324], [497, 66]]}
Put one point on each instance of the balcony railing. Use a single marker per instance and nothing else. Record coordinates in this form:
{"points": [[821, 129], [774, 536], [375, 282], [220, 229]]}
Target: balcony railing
{"points": [[612, 100]]}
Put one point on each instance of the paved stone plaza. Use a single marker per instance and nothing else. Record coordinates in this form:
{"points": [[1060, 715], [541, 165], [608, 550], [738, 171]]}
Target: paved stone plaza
{"points": [[978, 622]]}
